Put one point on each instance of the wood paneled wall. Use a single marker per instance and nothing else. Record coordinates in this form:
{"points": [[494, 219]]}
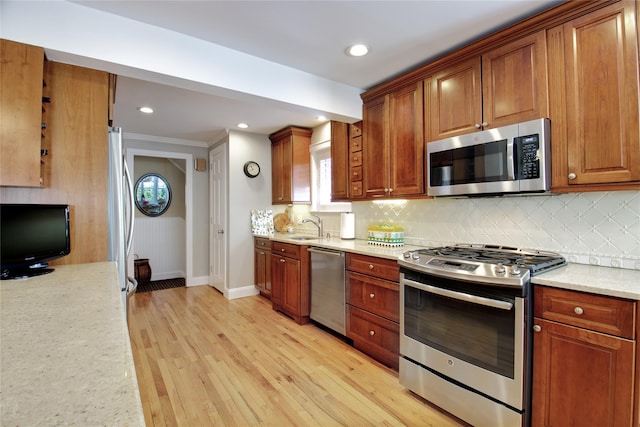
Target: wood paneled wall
{"points": [[76, 171]]}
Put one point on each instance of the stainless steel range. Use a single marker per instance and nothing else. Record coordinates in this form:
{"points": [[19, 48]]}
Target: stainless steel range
{"points": [[465, 316]]}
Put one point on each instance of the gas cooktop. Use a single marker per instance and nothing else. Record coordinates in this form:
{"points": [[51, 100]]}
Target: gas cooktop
{"points": [[500, 264]]}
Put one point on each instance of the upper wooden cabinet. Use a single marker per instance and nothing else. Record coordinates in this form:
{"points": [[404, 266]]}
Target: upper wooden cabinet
{"points": [[505, 85], [593, 70], [21, 114], [393, 144], [291, 166], [339, 161]]}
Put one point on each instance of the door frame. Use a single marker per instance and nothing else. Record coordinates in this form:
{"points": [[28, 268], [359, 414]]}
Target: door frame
{"points": [[188, 199]]}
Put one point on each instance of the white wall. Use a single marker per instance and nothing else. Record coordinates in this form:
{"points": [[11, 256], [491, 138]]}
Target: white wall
{"points": [[244, 195]]}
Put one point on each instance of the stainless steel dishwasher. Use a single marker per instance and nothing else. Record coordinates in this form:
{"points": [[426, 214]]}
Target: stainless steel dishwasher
{"points": [[327, 288]]}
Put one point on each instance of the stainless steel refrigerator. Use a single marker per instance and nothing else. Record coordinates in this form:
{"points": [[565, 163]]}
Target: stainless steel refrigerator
{"points": [[121, 214]]}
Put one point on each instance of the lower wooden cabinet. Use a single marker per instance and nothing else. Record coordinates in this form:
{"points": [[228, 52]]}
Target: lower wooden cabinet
{"points": [[373, 307], [583, 357], [290, 290], [262, 265]]}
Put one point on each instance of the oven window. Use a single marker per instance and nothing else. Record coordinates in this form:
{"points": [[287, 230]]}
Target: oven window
{"points": [[468, 165], [477, 334]]}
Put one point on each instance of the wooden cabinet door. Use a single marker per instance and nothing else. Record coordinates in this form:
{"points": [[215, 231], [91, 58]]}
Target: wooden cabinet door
{"points": [[514, 82], [601, 113], [291, 285], [581, 378], [280, 173], [21, 109], [406, 141], [262, 270], [456, 100], [340, 181], [375, 146]]}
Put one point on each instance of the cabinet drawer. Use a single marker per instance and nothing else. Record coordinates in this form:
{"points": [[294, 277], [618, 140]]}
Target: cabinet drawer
{"points": [[599, 313], [378, 296], [356, 173], [356, 189], [262, 243], [354, 131], [373, 335], [356, 158], [378, 267], [285, 249], [355, 144]]}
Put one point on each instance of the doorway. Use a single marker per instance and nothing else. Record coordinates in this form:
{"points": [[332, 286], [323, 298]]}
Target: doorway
{"points": [[185, 234], [218, 221]]}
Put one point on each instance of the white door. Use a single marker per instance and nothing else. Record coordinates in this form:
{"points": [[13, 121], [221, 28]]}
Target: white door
{"points": [[217, 236]]}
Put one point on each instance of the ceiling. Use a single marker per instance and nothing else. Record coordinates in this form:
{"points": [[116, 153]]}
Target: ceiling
{"points": [[309, 36]]}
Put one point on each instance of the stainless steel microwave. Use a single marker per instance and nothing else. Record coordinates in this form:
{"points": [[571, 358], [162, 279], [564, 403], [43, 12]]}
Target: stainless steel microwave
{"points": [[509, 159]]}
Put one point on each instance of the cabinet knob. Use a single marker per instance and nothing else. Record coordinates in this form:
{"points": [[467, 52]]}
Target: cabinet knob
{"points": [[578, 310], [478, 126], [370, 266], [281, 260], [261, 253], [485, 124], [572, 175], [537, 328], [372, 333], [283, 250], [390, 190], [372, 296]]}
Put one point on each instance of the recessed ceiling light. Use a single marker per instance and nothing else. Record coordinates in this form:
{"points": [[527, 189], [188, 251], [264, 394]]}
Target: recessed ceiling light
{"points": [[243, 125], [357, 50], [146, 110], [321, 118]]}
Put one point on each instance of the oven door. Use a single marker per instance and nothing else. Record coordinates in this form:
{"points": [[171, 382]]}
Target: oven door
{"points": [[466, 332]]}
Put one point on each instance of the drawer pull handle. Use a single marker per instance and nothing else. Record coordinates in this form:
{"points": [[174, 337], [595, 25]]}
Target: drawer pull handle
{"points": [[283, 249], [281, 260], [372, 333], [537, 328], [372, 296], [578, 310], [370, 266]]}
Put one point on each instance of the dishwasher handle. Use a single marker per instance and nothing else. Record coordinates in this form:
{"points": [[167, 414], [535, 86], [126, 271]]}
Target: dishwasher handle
{"points": [[324, 251]]}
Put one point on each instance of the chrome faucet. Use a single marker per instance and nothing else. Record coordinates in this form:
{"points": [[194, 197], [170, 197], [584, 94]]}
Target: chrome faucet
{"points": [[317, 224]]}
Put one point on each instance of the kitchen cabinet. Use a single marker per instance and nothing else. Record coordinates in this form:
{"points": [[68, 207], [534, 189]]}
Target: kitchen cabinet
{"points": [[290, 287], [78, 160], [583, 359], [339, 161], [503, 86], [291, 166], [262, 265], [593, 67], [393, 144], [373, 307], [355, 160], [23, 112]]}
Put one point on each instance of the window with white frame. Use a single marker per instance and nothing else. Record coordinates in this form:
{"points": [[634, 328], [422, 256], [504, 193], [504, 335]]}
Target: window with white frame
{"points": [[321, 180]]}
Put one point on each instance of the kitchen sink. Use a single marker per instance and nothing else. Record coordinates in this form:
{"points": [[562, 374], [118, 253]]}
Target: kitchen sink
{"points": [[303, 238]]}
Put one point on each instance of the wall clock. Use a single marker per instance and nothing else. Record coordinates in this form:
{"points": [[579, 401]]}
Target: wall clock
{"points": [[251, 169]]}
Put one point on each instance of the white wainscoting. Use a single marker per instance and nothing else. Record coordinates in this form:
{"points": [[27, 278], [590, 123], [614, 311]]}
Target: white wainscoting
{"points": [[162, 240]]}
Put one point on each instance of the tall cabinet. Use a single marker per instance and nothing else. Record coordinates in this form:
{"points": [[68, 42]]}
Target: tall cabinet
{"points": [[291, 166]]}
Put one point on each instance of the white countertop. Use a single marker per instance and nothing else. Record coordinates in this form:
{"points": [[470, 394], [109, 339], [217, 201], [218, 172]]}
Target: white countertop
{"points": [[65, 355], [617, 282]]}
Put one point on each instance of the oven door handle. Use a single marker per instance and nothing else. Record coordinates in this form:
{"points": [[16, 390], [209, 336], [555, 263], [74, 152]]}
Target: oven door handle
{"points": [[474, 299]]}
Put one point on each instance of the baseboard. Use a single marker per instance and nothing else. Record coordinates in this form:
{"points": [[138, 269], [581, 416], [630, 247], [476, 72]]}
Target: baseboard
{"points": [[167, 275], [198, 281], [245, 291]]}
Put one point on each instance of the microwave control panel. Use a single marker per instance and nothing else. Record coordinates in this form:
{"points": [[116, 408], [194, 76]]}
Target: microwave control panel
{"points": [[527, 148]]}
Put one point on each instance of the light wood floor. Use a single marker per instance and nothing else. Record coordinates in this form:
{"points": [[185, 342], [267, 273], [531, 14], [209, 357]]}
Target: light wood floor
{"points": [[202, 360]]}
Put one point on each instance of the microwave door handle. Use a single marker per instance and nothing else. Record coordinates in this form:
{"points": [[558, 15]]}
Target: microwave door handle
{"points": [[474, 299], [511, 159]]}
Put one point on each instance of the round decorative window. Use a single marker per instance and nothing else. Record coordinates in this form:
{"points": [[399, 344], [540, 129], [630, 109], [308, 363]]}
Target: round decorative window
{"points": [[152, 194]]}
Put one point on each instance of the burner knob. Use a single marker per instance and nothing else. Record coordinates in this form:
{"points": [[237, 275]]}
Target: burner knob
{"points": [[407, 255], [515, 270], [499, 269], [415, 255]]}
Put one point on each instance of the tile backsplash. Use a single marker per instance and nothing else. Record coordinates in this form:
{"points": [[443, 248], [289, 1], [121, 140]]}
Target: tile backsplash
{"points": [[600, 228]]}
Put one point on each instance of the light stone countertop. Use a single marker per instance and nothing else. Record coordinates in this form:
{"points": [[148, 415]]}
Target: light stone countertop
{"points": [[65, 354], [617, 282]]}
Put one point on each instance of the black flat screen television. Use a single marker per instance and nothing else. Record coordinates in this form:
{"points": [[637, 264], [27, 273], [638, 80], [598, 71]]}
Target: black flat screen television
{"points": [[30, 236]]}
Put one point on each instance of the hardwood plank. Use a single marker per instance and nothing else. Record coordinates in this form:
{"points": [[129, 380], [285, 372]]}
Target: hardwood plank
{"points": [[204, 360]]}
